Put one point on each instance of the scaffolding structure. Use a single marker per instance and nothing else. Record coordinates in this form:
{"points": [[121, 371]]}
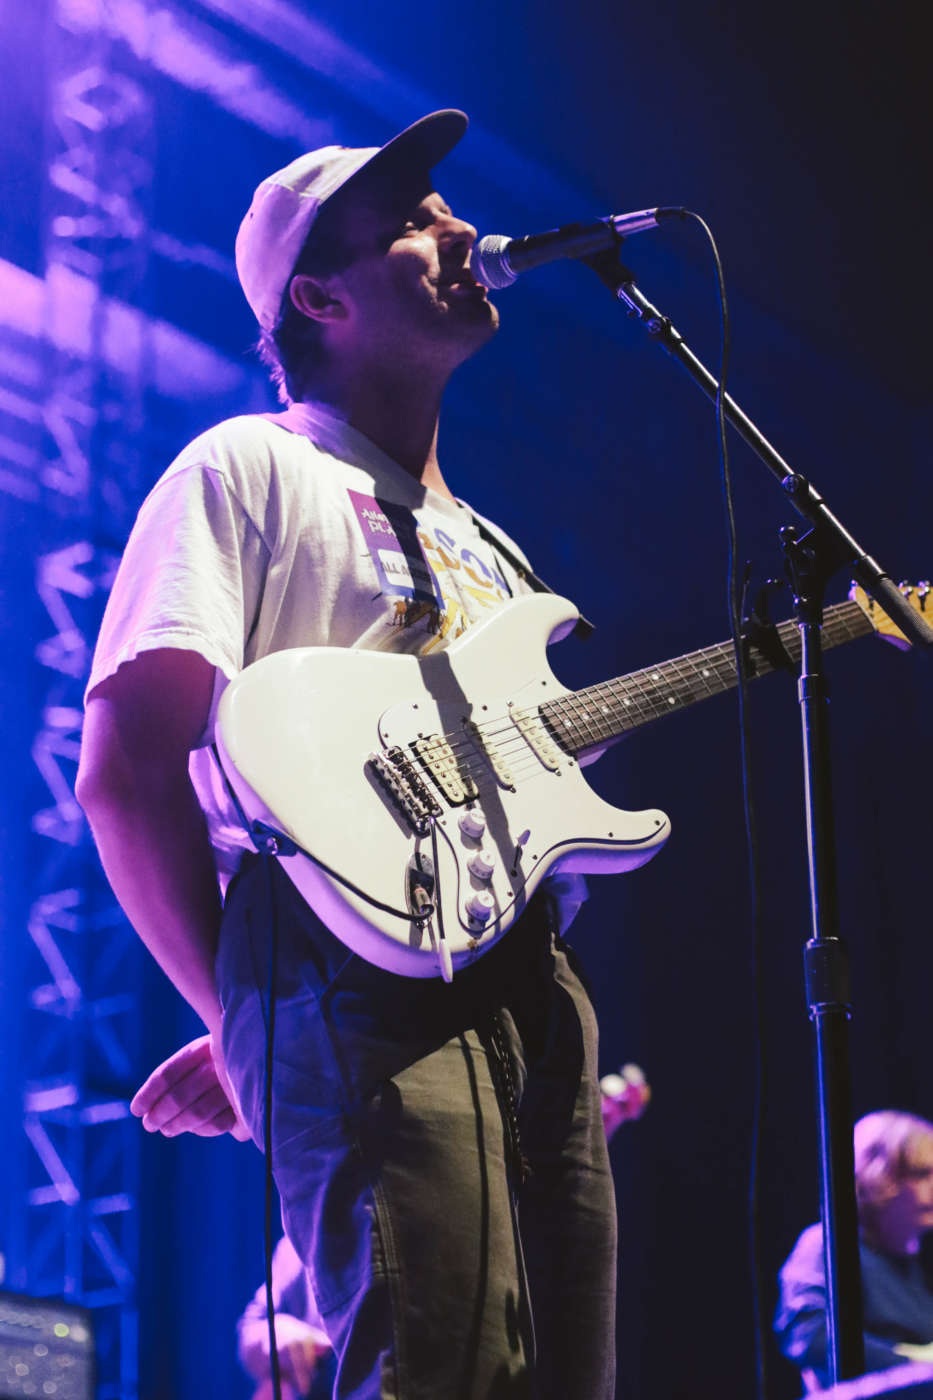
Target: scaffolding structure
{"points": [[76, 380], [78, 1234]]}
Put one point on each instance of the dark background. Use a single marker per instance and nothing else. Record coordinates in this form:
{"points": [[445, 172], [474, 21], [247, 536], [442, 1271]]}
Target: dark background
{"points": [[800, 132]]}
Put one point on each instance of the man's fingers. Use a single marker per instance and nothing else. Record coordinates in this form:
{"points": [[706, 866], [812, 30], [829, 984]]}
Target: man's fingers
{"points": [[187, 1115], [297, 1361], [186, 1094], [304, 1365], [170, 1072], [191, 1114], [183, 1097], [210, 1115]]}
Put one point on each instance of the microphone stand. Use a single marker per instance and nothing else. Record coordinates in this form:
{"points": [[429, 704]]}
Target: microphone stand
{"points": [[812, 558]]}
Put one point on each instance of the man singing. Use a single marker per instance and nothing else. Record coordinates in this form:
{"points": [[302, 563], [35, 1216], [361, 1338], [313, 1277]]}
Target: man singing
{"points": [[438, 1149]]}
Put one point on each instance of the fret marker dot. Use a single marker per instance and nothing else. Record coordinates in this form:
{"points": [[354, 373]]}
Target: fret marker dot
{"points": [[626, 702], [655, 675], [704, 672], [671, 700]]}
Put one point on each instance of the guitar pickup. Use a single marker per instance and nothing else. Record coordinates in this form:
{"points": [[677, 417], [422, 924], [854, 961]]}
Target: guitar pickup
{"points": [[438, 759], [493, 748]]}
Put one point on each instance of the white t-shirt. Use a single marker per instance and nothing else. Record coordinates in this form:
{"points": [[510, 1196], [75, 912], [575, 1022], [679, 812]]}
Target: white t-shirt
{"points": [[291, 530]]}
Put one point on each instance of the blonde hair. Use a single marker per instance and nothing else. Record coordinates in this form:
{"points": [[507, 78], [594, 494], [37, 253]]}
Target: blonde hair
{"points": [[883, 1151]]}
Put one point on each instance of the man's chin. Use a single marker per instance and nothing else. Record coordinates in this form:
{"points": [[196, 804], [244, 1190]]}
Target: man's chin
{"points": [[487, 319], [477, 328]]}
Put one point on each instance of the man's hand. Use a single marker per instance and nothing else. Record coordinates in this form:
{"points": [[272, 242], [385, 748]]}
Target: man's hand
{"points": [[915, 1351], [190, 1093], [266, 1391], [299, 1345]]}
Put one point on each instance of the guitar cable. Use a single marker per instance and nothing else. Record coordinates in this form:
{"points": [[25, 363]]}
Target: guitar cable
{"points": [[443, 950], [268, 840], [260, 833], [267, 845], [267, 855], [751, 833]]}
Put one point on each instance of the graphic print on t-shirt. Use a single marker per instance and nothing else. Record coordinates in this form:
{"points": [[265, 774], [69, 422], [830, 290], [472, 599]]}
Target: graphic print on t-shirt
{"points": [[423, 571]]}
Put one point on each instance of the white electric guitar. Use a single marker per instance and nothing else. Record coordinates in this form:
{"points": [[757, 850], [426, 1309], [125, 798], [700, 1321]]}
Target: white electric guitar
{"points": [[418, 802]]}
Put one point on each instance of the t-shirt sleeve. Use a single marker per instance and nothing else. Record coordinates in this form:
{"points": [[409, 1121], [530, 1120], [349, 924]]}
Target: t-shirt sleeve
{"points": [[191, 576]]}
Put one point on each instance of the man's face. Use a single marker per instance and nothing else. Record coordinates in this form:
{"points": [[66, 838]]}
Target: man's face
{"points": [[909, 1212], [409, 292]]}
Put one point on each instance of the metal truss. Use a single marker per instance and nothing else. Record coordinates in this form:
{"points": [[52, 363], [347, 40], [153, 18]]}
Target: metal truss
{"points": [[78, 1231]]}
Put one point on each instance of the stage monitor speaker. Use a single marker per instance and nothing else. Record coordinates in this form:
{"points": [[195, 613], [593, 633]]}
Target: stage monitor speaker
{"points": [[46, 1349]]}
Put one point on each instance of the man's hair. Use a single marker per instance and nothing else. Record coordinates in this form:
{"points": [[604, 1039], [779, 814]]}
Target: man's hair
{"points": [[292, 350], [883, 1157]]}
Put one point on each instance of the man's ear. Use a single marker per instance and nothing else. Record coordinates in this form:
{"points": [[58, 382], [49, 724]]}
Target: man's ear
{"points": [[314, 300]]}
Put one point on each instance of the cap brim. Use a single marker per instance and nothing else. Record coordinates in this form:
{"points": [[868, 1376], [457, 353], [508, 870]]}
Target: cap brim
{"points": [[415, 151]]}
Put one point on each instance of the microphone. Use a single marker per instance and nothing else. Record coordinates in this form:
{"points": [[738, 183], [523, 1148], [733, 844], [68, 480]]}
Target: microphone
{"points": [[496, 260]]}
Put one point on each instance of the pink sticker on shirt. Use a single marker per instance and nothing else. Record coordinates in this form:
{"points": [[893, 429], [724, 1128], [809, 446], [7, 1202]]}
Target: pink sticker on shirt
{"points": [[391, 535]]}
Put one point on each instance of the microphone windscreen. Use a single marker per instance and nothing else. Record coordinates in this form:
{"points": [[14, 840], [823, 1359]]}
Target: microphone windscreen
{"points": [[489, 262]]}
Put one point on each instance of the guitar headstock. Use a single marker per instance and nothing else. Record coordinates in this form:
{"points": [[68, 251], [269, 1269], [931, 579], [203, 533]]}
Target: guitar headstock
{"points": [[625, 1096], [918, 595]]}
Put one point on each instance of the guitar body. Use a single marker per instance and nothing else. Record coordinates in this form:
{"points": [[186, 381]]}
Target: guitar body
{"points": [[429, 785]]}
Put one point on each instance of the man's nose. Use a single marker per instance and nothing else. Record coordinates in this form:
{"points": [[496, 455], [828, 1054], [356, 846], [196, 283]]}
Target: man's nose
{"points": [[458, 231]]}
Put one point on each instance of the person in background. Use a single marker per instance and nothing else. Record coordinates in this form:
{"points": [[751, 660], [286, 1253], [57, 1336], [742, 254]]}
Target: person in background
{"points": [[305, 1355], [894, 1194]]}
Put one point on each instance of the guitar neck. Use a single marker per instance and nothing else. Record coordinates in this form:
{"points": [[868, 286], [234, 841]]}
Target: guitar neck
{"points": [[605, 711]]}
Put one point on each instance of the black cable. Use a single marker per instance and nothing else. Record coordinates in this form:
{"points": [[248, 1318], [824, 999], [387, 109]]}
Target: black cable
{"points": [[751, 833], [267, 859], [260, 833]]}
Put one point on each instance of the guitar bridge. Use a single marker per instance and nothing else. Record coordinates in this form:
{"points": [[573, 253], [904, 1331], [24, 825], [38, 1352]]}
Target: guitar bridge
{"points": [[405, 787]]}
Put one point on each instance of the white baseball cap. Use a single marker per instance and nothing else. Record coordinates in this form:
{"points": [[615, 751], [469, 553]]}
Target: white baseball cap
{"points": [[286, 205]]}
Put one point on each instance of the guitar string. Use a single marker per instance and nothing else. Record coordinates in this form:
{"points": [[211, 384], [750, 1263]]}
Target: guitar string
{"points": [[646, 695], [588, 726], [471, 748], [472, 755], [646, 698], [657, 699], [650, 701], [653, 697]]}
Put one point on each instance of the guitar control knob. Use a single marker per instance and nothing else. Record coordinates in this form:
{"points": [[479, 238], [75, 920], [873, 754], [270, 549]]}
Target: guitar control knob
{"points": [[472, 823], [481, 864], [480, 905]]}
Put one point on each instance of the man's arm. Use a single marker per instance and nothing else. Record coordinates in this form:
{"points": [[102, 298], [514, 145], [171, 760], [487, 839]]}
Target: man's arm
{"points": [[133, 784], [800, 1320]]}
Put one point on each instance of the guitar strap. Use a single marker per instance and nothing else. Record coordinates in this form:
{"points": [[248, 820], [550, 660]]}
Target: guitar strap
{"points": [[583, 628]]}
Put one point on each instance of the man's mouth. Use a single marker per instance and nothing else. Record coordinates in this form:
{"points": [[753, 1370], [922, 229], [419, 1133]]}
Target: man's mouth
{"points": [[462, 284]]}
